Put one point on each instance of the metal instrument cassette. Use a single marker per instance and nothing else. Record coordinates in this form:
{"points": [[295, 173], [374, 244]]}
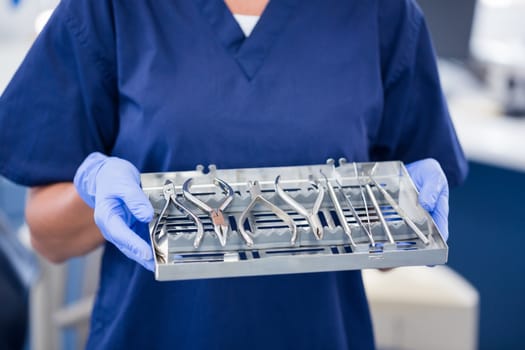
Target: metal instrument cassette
{"points": [[282, 220]]}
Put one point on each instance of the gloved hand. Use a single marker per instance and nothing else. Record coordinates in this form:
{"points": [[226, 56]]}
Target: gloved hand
{"points": [[431, 182], [111, 186]]}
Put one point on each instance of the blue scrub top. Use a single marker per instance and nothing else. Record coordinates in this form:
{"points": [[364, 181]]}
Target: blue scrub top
{"points": [[172, 84]]}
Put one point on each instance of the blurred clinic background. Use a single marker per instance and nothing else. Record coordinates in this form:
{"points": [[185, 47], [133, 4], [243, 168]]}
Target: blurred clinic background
{"points": [[476, 301]]}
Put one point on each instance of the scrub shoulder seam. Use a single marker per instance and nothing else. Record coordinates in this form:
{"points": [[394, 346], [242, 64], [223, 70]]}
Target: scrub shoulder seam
{"points": [[415, 21], [82, 37]]}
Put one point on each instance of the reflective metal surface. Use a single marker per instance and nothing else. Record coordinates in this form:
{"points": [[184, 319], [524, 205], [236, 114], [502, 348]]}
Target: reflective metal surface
{"points": [[370, 219]]}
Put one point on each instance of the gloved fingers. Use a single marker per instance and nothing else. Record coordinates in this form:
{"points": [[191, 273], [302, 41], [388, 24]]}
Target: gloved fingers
{"points": [[431, 190], [412, 169], [430, 180], [84, 183], [138, 204], [119, 179], [149, 265], [110, 219], [440, 214], [131, 245]]}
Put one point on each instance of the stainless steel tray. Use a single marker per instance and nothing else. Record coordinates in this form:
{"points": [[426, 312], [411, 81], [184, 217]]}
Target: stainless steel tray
{"points": [[385, 225]]}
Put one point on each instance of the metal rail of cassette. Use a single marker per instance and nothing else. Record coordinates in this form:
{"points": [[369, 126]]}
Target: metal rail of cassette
{"points": [[326, 217]]}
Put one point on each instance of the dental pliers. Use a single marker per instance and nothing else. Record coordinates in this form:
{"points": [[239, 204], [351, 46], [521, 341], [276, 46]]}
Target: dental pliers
{"points": [[160, 239], [220, 224], [256, 195], [311, 215]]}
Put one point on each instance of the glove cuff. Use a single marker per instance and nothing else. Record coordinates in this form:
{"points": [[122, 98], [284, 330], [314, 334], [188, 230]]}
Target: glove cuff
{"points": [[85, 177]]}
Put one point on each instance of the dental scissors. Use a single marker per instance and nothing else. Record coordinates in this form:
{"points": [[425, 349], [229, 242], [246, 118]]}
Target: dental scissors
{"points": [[338, 209]]}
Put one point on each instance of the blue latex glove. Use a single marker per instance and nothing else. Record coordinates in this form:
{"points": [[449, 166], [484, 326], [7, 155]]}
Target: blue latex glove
{"points": [[431, 182], [111, 186]]}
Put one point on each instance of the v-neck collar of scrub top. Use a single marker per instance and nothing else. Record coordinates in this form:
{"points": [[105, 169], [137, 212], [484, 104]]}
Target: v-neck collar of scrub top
{"points": [[249, 52]]}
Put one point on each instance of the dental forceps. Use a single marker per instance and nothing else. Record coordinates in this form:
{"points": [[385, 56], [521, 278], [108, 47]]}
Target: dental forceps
{"points": [[338, 209], [220, 224], [375, 205], [256, 195], [311, 215], [355, 214], [160, 240], [400, 211]]}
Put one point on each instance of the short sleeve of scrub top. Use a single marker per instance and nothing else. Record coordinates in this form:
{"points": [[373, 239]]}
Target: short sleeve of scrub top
{"points": [[172, 84], [61, 103], [415, 113]]}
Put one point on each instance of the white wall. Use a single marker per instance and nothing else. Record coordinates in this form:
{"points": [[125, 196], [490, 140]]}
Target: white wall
{"points": [[17, 22], [17, 32]]}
